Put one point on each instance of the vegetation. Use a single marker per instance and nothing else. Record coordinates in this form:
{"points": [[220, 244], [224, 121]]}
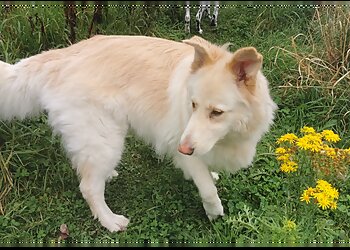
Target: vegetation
{"points": [[306, 59]]}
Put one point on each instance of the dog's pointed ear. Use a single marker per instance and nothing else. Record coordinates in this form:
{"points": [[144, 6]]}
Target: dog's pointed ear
{"points": [[245, 64], [201, 56]]}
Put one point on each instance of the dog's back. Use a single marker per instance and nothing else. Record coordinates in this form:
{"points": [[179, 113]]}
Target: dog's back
{"points": [[122, 74]]}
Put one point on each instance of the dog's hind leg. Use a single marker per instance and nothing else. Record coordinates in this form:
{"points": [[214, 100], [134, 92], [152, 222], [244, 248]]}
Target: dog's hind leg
{"points": [[92, 186], [94, 141]]}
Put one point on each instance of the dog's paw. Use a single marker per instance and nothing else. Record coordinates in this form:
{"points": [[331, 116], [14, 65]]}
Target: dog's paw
{"points": [[215, 176], [113, 174], [213, 210], [115, 222]]}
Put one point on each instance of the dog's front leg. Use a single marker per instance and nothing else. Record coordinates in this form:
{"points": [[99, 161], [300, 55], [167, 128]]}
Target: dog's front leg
{"points": [[198, 171]]}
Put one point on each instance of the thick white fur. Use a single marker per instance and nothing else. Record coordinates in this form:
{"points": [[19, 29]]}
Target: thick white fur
{"points": [[94, 90]]}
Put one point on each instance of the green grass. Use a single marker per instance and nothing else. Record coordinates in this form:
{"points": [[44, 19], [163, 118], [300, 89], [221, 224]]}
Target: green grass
{"points": [[164, 208]]}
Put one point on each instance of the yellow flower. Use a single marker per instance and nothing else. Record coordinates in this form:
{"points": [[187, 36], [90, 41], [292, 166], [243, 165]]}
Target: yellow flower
{"points": [[307, 130], [290, 137], [280, 150], [326, 188], [330, 136], [323, 185], [285, 157], [307, 194], [310, 191], [330, 152], [289, 166], [333, 193], [305, 197], [333, 205], [310, 142], [322, 200], [289, 225], [324, 195]]}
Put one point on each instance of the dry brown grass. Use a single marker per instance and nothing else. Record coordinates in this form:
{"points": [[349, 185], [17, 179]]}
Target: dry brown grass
{"points": [[6, 182], [326, 64]]}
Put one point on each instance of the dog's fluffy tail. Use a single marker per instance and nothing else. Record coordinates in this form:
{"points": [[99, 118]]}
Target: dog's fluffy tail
{"points": [[18, 99]]}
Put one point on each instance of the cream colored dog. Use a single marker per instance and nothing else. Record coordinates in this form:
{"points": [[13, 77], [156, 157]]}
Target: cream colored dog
{"points": [[205, 107]]}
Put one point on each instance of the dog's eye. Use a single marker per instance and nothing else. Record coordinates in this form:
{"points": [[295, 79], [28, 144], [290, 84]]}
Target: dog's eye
{"points": [[216, 113], [194, 105]]}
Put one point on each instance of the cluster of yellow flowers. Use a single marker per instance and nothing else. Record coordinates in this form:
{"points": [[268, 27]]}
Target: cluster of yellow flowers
{"points": [[324, 157], [323, 194]]}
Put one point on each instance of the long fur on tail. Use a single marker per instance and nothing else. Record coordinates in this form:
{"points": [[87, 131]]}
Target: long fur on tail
{"points": [[17, 98]]}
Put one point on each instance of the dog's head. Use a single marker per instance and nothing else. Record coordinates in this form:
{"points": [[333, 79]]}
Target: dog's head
{"points": [[225, 90]]}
